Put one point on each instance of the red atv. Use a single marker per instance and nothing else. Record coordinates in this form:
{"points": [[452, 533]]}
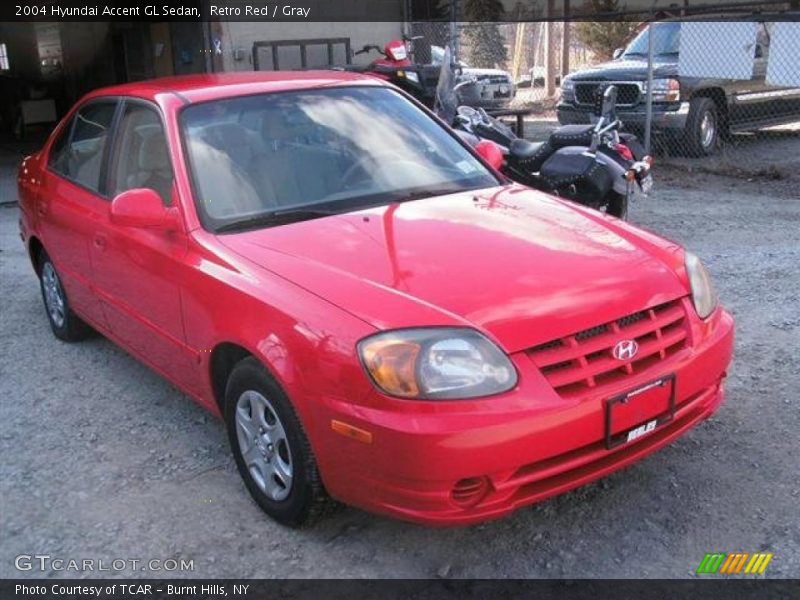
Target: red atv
{"points": [[396, 67]]}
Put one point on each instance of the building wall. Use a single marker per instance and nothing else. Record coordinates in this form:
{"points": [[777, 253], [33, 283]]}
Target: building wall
{"points": [[240, 36], [23, 53], [162, 49], [88, 57]]}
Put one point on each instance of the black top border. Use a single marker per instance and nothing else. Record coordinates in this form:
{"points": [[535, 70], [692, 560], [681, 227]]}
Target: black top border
{"points": [[382, 10]]}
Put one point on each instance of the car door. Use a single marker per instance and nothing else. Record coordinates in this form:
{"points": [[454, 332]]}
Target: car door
{"points": [[73, 201], [138, 271]]}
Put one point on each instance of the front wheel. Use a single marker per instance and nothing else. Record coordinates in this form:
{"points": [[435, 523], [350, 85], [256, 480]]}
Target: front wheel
{"points": [[617, 205], [702, 132], [271, 449]]}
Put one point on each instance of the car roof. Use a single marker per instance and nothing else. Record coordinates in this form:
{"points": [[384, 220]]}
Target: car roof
{"points": [[203, 87]]}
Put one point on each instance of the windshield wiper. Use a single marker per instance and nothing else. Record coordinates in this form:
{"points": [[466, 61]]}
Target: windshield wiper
{"points": [[303, 211], [275, 216], [300, 213], [429, 193]]}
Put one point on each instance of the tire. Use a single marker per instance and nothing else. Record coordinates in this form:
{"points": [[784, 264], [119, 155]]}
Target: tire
{"points": [[703, 126], [66, 325], [276, 463], [617, 205]]}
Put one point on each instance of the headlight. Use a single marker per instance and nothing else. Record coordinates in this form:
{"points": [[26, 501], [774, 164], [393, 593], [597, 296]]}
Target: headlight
{"points": [[703, 294], [412, 76], [664, 90], [436, 363], [397, 52], [567, 88]]}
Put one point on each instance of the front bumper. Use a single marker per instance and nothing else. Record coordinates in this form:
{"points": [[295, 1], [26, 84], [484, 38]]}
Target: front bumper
{"points": [[671, 117], [523, 451], [486, 95]]}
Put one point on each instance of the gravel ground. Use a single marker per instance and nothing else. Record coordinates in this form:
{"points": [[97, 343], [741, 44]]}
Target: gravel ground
{"points": [[103, 459]]}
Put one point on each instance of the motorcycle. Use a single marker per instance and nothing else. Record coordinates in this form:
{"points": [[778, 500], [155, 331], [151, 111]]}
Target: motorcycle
{"points": [[595, 165]]}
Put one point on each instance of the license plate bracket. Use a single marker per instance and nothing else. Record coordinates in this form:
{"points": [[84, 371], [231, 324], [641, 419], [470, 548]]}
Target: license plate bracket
{"points": [[613, 440]]}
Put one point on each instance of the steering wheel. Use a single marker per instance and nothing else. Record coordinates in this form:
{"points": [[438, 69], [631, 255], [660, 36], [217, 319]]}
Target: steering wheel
{"points": [[374, 158]]}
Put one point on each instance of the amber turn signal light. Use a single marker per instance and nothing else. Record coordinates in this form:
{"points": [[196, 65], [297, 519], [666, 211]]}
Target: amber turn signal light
{"points": [[392, 364], [360, 435]]}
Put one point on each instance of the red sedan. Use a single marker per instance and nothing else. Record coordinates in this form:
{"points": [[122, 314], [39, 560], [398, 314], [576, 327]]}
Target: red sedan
{"points": [[377, 314]]}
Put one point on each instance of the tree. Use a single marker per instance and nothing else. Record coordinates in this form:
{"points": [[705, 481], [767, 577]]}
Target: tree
{"points": [[484, 44], [603, 37]]}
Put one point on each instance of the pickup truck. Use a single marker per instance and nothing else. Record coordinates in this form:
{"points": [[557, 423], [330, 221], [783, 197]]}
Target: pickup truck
{"points": [[695, 112]]}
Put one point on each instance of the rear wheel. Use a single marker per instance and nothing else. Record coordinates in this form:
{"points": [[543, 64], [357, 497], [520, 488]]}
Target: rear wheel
{"points": [[617, 205], [66, 325], [702, 132], [271, 449]]}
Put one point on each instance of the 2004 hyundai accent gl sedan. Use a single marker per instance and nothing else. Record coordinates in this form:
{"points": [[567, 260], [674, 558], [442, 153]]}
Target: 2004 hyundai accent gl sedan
{"points": [[379, 316]]}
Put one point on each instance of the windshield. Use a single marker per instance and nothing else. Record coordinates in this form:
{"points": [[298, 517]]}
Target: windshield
{"points": [[274, 158], [446, 102], [666, 40]]}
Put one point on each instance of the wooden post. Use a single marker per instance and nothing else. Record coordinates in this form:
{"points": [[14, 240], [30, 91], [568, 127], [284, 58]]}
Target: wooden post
{"points": [[519, 40], [565, 42], [549, 52]]}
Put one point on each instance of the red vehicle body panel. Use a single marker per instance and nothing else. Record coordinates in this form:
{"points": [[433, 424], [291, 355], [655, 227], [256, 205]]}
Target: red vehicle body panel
{"points": [[520, 266]]}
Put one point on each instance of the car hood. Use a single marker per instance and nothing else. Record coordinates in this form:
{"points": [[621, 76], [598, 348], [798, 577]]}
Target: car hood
{"points": [[520, 265], [626, 70]]}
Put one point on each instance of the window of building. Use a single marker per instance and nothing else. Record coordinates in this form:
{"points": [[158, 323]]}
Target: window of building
{"points": [[4, 64]]}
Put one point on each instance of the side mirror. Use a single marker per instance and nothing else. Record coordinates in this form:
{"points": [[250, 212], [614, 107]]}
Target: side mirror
{"points": [[618, 52], [141, 207], [491, 153]]}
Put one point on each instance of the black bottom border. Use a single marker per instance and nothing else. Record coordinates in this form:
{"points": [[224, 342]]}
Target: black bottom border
{"points": [[732, 588]]}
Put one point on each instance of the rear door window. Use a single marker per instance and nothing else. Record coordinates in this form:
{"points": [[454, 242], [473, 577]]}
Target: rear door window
{"points": [[59, 151], [81, 159]]}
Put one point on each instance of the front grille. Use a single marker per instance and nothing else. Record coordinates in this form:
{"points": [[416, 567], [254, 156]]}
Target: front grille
{"points": [[583, 361], [627, 93], [493, 79]]}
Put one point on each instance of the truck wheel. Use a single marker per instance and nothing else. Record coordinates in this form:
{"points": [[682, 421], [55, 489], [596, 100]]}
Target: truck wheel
{"points": [[702, 127]]}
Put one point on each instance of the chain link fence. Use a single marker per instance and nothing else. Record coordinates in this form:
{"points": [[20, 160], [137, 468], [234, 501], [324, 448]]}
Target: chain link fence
{"points": [[686, 87], [713, 84]]}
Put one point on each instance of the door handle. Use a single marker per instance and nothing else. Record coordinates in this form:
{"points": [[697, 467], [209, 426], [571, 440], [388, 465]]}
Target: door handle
{"points": [[100, 241]]}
